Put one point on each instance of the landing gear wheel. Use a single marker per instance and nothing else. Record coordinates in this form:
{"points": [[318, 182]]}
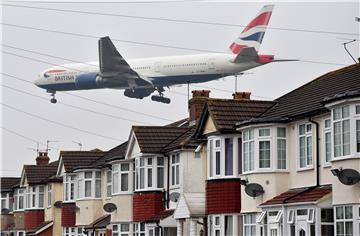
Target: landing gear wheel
{"points": [[160, 99], [53, 100]]}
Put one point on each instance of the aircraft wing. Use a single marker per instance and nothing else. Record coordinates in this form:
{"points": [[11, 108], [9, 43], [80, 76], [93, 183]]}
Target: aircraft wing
{"points": [[114, 66]]}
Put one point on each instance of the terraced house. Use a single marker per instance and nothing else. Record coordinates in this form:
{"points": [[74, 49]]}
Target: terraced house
{"points": [[233, 167]]}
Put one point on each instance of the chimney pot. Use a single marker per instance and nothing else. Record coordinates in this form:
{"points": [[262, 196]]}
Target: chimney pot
{"points": [[196, 104], [241, 95], [42, 159]]}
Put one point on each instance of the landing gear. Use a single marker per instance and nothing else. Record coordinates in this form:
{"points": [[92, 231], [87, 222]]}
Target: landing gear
{"points": [[160, 97], [53, 99]]}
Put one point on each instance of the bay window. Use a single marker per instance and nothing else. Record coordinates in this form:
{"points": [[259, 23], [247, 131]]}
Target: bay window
{"points": [[249, 224], [344, 220], [223, 157], [149, 173], [7, 201], [121, 229], [223, 225], [89, 184], [327, 140], [341, 128], [305, 145], [69, 188], [175, 169], [120, 178], [248, 150], [35, 197], [19, 199], [49, 195], [108, 183]]}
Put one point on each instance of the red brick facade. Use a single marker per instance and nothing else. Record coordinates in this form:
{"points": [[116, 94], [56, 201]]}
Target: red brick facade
{"points": [[147, 205], [223, 196], [68, 215], [33, 218], [108, 232]]}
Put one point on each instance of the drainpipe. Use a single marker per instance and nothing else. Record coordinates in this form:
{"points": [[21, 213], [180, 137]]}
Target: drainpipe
{"points": [[317, 152], [160, 227], [168, 182]]}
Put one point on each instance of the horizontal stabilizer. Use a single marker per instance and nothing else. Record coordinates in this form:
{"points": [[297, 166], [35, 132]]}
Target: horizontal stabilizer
{"points": [[246, 55], [284, 60]]}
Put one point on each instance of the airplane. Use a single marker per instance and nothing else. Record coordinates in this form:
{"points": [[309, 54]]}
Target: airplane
{"points": [[141, 77]]}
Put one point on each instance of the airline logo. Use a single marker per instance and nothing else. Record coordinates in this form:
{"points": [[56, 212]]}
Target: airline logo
{"points": [[254, 32]]}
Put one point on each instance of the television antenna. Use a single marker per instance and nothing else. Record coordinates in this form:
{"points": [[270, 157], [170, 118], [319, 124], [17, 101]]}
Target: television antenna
{"points": [[48, 142], [79, 144]]}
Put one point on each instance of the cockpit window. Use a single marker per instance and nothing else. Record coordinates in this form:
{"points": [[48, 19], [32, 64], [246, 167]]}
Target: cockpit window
{"points": [[46, 75]]}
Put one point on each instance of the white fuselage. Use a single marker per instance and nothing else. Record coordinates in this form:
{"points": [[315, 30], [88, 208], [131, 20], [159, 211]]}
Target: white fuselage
{"points": [[160, 71]]}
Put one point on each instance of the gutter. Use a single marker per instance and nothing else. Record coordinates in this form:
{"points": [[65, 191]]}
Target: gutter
{"points": [[317, 153]]}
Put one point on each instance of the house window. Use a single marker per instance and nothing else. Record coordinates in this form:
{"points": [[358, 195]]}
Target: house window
{"points": [[217, 156], [35, 197], [248, 150], [249, 224], [139, 229], [358, 135], [121, 230], [149, 172], [229, 160], [120, 178], [344, 220], [327, 221], [73, 231], [305, 145], [327, 140], [108, 183], [49, 195], [4, 201], [69, 188], [175, 169], [341, 128], [89, 184], [291, 217], [239, 143], [211, 157], [281, 148], [19, 199], [264, 154]]}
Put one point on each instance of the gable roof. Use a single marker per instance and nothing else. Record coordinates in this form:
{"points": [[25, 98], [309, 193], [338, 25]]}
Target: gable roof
{"points": [[7, 183], [39, 174], [307, 99], [225, 113], [152, 139], [74, 159], [299, 195]]}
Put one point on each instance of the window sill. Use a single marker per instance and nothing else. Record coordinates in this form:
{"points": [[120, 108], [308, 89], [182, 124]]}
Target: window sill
{"points": [[89, 199], [264, 172], [224, 177], [175, 187], [305, 169], [120, 194], [327, 165], [348, 157], [16, 211]]}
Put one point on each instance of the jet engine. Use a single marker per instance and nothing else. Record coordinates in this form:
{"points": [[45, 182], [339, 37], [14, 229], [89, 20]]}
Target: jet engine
{"points": [[87, 81], [138, 93]]}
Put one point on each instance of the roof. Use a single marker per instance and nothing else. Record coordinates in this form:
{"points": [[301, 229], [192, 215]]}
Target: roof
{"points": [[152, 139], [99, 223], [298, 195], [190, 205], [6, 183], [180, 123], [74, 159], [40, 228], [38, 174], [225, 113], [307, 99], [162, 215]]}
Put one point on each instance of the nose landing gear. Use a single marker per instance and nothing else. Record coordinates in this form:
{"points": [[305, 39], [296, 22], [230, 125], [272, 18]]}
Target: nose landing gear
{"points": [[52, 94]]}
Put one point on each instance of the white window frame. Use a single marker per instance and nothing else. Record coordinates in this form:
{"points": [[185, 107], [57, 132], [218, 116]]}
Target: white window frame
{"points": [[327, 144], [19, 193], [310, 215], [309, 159], [146, 167], [33, 195], [251, 225], [95, 184], [261, 217], [278, 139], [278, 216], [49, 195], [248, 151], [118, 173], [119, 230], [291, 216], [69, 181], [8, 199], [341, 120], [108, 183], [175, 170], [344, 220], [260, 139]]}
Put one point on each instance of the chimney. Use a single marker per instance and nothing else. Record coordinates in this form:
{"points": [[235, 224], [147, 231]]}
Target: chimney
{"points": [[240, 96], [42, 159], [196, 104]]}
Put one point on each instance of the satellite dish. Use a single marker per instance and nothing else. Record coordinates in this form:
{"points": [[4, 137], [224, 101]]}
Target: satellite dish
{"points": [[254, 190], [5, 211], [174, 197], [109, 207], [349, 176], [58, 204]]}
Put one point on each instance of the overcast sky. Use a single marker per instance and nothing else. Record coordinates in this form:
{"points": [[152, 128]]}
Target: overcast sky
{"points": [[265, 82]]}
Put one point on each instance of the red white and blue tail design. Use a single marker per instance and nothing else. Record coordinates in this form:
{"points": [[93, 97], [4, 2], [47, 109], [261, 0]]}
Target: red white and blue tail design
{"points": [[254, 32]]}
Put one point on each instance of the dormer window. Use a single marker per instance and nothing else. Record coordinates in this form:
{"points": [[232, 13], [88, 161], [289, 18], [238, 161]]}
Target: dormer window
{"points": [[149, 173]]}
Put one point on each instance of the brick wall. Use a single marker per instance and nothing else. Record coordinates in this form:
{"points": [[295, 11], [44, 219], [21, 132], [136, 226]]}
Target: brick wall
{"points": [[108, 232], [46, 232], [223, 196], [146, 205], [33, 218], [68, 215]]}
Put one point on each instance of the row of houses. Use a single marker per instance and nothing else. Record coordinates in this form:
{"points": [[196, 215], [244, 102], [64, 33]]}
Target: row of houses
{"points": [[233, 167]]}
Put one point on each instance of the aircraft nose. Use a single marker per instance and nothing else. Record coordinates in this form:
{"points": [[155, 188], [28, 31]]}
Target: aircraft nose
{"points": [[38, 82]]}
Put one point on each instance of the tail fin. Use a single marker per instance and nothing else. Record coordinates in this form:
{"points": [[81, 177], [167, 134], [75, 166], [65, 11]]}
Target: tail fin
{"points": [[254, 32]]}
